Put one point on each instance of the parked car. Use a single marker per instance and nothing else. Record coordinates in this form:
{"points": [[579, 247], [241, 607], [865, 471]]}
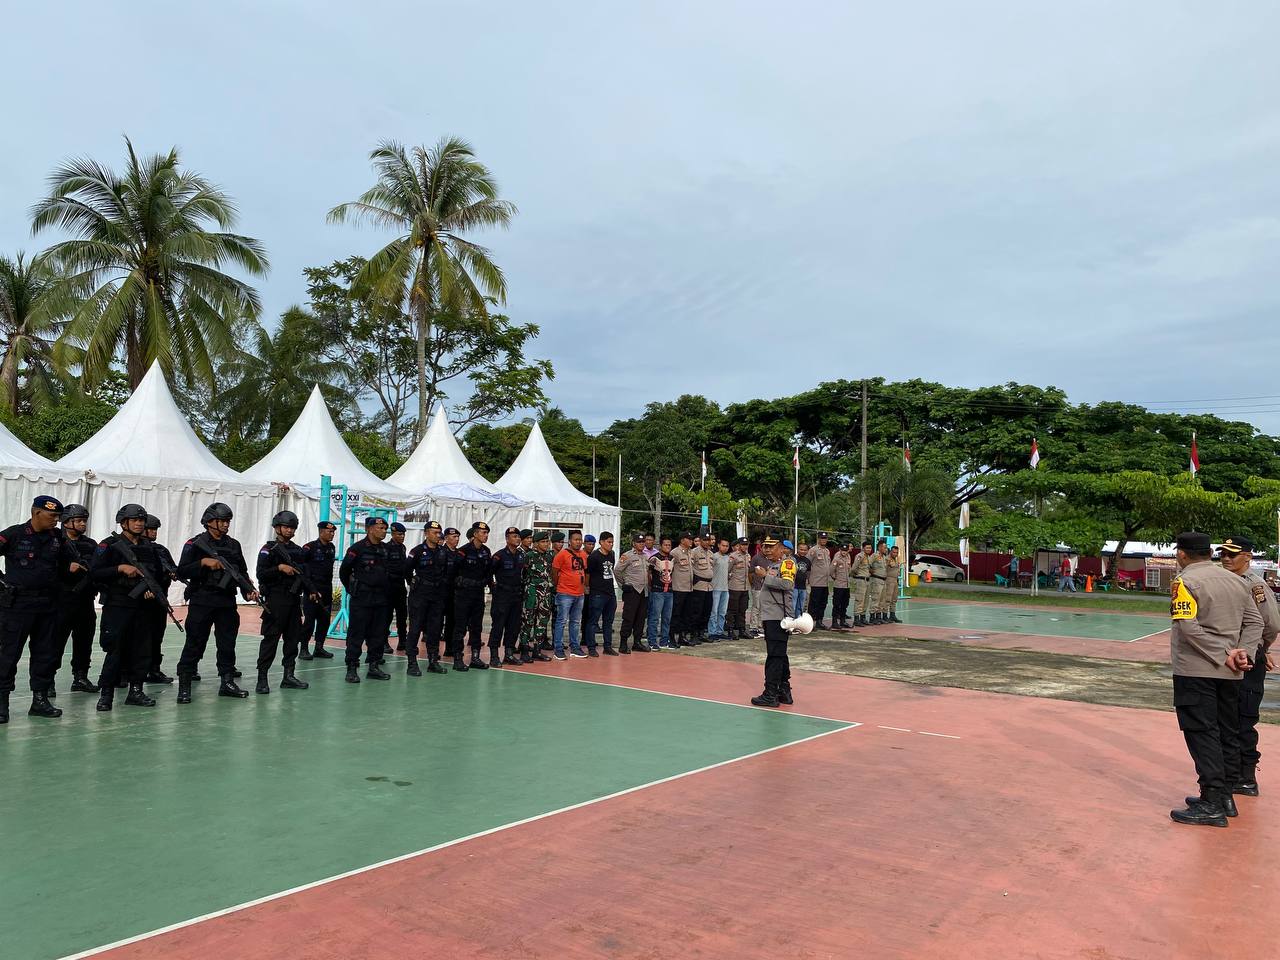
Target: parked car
{"points": [[940, 568]]}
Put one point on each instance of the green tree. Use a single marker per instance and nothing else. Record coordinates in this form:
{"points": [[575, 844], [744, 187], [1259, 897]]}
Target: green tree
{"points": [[29, 329], [373, 452], [432, 198], [145, 268]]}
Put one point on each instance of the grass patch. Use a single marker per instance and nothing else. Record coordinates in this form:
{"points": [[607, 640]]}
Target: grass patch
{"points": [[1048, 598]]}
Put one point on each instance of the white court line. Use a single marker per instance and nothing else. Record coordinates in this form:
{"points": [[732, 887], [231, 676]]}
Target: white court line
{"points": [[1148, 636], [899, 729], [926, 733], [439, 846]]}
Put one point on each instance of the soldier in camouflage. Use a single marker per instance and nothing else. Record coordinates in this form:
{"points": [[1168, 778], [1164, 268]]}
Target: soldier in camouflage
{"points": [[538, 599]]}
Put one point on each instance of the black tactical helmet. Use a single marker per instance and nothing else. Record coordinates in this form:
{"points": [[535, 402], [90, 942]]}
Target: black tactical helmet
{"points": [[153, 522], [215, 511], [285, 518], [131, 511], [74, 511]]}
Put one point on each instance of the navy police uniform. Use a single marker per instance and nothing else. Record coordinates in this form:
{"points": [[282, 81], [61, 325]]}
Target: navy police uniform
{"points": [[365, 577], [318, 559], [428, 570], [77, 620], [211, 606], [508, 601], [397, 567], [127, 626], [283, 616], [474, 574]]}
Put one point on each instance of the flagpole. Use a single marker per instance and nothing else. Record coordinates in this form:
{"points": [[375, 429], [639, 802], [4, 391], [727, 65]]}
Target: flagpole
{"points": [[795, 502]]}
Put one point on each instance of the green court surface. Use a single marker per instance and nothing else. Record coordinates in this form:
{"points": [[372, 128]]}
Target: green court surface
{"points": [[117, 824], [986, 618]]}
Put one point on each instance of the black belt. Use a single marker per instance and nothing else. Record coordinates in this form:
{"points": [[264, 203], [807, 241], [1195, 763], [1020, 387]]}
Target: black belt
{"points": [[876, 577], [861, 578]]}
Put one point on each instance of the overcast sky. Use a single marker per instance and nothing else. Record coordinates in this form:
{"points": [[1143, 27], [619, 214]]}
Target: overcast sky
{"points": [[763, 195]]}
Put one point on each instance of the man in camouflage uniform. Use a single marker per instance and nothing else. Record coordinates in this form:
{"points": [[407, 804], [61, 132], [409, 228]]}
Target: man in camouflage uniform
{"points": [[538, 599]]}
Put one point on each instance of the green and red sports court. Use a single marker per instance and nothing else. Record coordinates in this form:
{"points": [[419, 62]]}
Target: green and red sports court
{"points": [[631, 807]]}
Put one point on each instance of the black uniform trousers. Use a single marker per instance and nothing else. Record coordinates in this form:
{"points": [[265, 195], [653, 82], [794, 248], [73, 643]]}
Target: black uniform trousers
{"points": [[506, 608], [700, 614], [736, 618], [468, 617], [840, 603], [635, 611], [682, 602], [17, 628], [283, 620], [426, 620], [603, 608], [400, 612], [225, 624], [156, 618], [1251, 690], [817, 603], [315, 623], [1208, 711], [777, 666], [450, 621], [78, 622], [367, 627], [126, 636]]}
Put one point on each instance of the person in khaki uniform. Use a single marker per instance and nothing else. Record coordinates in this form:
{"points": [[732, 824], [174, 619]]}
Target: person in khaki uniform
{"points": [[1215, 623], [840, 588], [875, 588], [739, 567], [819, 580], [702, 566], [860, 577], [889, 598], [682, 593], [1236, 554]]}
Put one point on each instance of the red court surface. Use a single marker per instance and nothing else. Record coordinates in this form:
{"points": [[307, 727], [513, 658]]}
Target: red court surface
{"points": [[951, 824]]}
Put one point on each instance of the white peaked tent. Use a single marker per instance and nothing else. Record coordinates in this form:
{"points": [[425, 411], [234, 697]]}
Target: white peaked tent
{"points": [[313, 446], [535, 476], [15, 453]]}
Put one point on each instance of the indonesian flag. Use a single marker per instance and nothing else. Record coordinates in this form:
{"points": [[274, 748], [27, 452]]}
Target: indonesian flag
{"points": [[704, 466], [906, 455], [964, 541], [1035, 453], [1195, 455], [795, 460]]}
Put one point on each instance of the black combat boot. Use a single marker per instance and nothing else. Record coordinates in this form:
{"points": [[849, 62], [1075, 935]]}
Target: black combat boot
{"points": [[321, 653], [4, 706], [291, 681], [435, 666], [1247, 785], [305, 652], [159, 676], [236, 674], [893, 618], [624, 649], [642, 646], [1228, 804], [184, 690], [376, 672], [106, 697], [784, 693], [476, 662], [610, 652], [228, 688], [511, 660], [769, 698], [263, 686], [137, 697], [459, 664], [41, 707], [353, 674], [80, 683], [1206, 812], [494, 659], [411, 668], [51, 692], [541, 657]]}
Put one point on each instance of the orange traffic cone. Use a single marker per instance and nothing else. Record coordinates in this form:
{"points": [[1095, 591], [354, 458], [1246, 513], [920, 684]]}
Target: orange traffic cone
{"points": [[928, 576], [1088, 584]]}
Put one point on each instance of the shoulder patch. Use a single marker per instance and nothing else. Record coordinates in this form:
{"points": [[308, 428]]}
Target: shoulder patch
{"points": [[1259, 594], [1183, 604]]}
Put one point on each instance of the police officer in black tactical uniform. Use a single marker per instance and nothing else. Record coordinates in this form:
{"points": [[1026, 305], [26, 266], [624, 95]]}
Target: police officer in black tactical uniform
{"points": [[474, 574], [164, 572], [428, 570], [364, 576], [319, 557], [397, 565], [508, 600], [77, 620], [36, 559], [206, 564], [117, 568], [284, 582], [452, 559]]}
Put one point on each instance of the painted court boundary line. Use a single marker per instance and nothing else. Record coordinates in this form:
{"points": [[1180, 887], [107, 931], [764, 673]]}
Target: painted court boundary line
{"points": [[302, 888]]}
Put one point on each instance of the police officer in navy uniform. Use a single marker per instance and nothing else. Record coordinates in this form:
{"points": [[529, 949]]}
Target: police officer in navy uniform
{"points": [[126, 627], [474, 574], [36, 560], [452, 558], [428, 576], [318, 558], [508, 600], [282, 577], [164, 571], [77, 620], [211, 601], [365, 577], [397, 565]]}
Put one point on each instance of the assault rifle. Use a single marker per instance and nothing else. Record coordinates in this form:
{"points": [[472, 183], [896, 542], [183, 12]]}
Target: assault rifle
{"points": [[159, 593], [301, 579], [231, 572]]}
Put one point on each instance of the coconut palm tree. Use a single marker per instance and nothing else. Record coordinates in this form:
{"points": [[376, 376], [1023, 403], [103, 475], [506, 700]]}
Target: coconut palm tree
{"points": [[145, 264], [920, 495], [29, 327], [431, 197]]}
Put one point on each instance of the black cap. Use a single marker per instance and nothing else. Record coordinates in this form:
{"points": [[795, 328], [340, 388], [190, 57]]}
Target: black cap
{"points": [[526, 533], [374, 521], [397, 525], [431, 525], [326, 525], [51, 504], [1235, 545], [637, 538], [686, 535], [452, 531], [511, 530], [741, 540], [480, 525], [822, 534], [1193, 542]]}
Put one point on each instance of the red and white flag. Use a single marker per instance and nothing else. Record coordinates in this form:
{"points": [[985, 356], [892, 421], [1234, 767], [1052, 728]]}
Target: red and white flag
{"points": [[906, 455], [1195, 455], [704, 467], [795, 460], [1035, 453]]}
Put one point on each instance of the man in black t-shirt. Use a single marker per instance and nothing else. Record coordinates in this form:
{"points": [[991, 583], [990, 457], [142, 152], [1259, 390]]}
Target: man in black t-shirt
{"points": [[603, 598]]}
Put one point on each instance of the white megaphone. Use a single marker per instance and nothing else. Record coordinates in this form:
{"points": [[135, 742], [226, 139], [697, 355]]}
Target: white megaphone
{"points": [[800, 624]]}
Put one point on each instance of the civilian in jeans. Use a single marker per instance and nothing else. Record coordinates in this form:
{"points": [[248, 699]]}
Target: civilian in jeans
{"points": [[632, 571], [569, 569], [719, 590], [660, 598], [602, 599]]}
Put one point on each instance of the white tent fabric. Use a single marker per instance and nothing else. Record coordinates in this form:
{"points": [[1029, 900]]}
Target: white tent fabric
{"points": [[438, 468], [149, 437], [15, 453], [314, 446], [536, 476]]}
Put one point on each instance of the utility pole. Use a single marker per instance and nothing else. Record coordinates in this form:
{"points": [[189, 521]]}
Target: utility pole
{"points": [[862, 508]]}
